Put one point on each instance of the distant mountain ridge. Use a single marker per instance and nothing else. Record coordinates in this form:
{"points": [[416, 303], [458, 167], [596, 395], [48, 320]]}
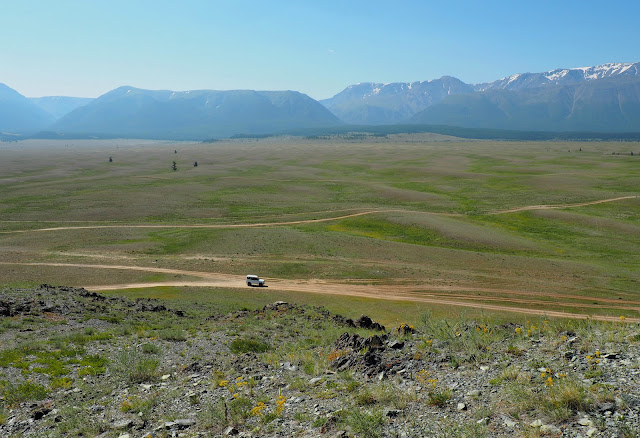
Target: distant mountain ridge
{"points": [[605, 105], [561, 76], [18, 115], [59, 106], [450, 101], [603, 98], [376, 103], [198, 114]]}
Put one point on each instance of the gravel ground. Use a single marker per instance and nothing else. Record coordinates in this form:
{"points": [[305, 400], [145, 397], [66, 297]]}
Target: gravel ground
{"points": [[77, 363]]}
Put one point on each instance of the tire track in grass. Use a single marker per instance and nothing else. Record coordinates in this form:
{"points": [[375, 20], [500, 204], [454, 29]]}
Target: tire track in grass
{"points": [[555, 206], [310, 221]]}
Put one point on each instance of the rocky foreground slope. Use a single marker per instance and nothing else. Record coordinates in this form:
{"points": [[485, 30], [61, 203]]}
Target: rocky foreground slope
{"points": [[76, 363]]}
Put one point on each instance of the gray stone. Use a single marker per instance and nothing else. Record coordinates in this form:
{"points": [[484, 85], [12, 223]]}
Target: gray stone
{"points": [[314, 380], [585, 422], [536, 423], [550, 429], [182, 423], [462, 407], [592, 431], [123, 424], [473, 393], [231, 431]]}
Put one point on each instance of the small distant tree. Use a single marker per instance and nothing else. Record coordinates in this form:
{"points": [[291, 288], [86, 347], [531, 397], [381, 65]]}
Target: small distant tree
{"points": [[175, 151], [195, 164], [110, 159], [174, 166]]}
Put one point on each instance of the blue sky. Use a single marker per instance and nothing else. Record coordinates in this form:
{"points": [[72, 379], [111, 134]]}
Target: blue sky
{"points": [[88, 47]]}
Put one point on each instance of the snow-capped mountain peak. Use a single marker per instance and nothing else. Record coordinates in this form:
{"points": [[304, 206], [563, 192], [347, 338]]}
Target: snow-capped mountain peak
{"points": [[562, 76]]}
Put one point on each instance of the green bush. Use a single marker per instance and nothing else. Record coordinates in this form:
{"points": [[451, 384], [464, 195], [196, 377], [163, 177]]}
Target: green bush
{"points": [[134, 367], [94, 365], [213, 415], [14, 394], [151, 349], [366, 424], [245, 345], [172, 334]]}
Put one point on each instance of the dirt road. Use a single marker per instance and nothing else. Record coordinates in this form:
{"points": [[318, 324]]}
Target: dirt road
{"points": [[551, 206], [309, 221], [412, 293]]}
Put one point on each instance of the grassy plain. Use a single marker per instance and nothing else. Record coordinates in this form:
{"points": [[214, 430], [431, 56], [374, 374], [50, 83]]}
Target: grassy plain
{"points": [[435, 229]]}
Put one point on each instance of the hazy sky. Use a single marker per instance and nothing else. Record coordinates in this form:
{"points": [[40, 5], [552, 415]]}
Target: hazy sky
{"points": [[88, 47]]}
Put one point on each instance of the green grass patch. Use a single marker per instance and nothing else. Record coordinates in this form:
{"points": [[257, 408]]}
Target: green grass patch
{"points": [[245, 345], [16, 393], [93, 365]]}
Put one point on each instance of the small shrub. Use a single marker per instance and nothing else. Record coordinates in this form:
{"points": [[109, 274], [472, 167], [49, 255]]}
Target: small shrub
{"points": [[172, 334], [366, 424], [15, 394], [214, 415], [565, 398], [94, 365], [439, 398], [136, 368], [3, 414], [245, 345], [13, 358], [61, 383], [240, 409], [137, 404], [365, 398], [269, 417], [53, 366], [320, 421], [151, 349]]}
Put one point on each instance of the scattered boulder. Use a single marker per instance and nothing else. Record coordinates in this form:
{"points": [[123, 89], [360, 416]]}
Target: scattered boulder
{"points": [[367, 323]]}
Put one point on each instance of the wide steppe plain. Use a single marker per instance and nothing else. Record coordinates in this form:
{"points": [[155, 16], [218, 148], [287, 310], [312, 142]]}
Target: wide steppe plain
{"points": [[387, 226]]}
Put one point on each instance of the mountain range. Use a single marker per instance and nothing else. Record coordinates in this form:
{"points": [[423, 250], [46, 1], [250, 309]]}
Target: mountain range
{"points": [[132, 112], [529, 101], [19, 115], [604, 98]]}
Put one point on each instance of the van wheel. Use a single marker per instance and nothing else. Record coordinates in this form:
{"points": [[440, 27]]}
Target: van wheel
{"points": [[249, 284]]}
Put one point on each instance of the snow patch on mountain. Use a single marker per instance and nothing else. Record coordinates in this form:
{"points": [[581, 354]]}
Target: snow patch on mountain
{"points": [[561, 76]]}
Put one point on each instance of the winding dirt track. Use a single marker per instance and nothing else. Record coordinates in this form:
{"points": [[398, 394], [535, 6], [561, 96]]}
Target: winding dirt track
{"points": [[309, 221], [418, 294], [549, 207]]}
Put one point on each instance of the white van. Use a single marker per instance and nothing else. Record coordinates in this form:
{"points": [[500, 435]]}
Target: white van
{"points": [[254, 280]]}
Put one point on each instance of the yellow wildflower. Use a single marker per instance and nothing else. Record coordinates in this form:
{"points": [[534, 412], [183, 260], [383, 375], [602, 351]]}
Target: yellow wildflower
{"points": [[257, 410]]}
